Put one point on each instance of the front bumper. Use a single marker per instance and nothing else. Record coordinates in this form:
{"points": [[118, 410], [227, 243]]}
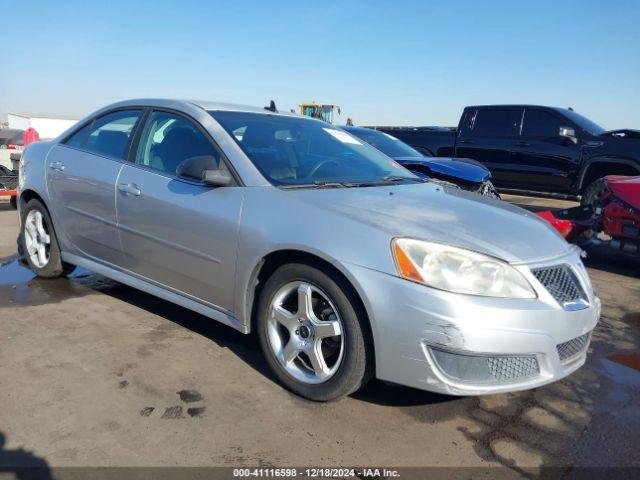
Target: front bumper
{"points": [[470, 345]]}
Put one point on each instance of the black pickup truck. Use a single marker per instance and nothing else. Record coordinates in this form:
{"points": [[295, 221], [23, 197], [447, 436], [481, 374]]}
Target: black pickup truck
{"points": [[532, 148]]}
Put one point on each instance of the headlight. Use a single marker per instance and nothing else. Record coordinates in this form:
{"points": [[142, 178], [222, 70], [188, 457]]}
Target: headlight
{"points": [[458, 270]]}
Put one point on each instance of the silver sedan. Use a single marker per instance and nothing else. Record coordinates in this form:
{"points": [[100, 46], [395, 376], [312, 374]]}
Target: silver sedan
{"points": [[346, 265]]}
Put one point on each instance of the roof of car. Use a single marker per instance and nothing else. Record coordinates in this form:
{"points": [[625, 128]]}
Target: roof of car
{"points": [[356, 128], [205, 105], [518, 105]]}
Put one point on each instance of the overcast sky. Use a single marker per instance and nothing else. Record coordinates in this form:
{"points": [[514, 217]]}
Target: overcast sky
{"points": [[384, 62]]}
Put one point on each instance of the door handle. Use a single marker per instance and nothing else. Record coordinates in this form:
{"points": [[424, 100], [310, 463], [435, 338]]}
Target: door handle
{"points": [[130, 189], [56, 166]]}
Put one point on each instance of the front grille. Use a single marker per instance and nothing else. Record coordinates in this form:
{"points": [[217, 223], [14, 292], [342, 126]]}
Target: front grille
{"points": [[509, 368], [561, 283], [573, 347]]}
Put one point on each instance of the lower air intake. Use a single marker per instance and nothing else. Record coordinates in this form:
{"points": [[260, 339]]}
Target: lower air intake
{"points": [[508, 368], [467, 368], [573, 347]]}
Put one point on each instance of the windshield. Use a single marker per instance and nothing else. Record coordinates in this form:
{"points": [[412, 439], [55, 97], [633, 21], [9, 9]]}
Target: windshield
{"points": [[584, 123], [385, 143], [295, 151]]}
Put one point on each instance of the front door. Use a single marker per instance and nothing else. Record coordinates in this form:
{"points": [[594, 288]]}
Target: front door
{"points": [[488, 137], [176, 231], [547, 160], [81, 179]]}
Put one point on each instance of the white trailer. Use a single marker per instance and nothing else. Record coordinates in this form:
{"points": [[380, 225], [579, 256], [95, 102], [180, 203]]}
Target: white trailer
{"points": [[47, 127]]}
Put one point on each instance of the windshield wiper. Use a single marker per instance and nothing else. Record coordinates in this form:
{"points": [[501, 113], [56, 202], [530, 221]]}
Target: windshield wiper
{"points": [[344, 184], [391, 179], [320, 184], [330, 184], [399, 178]]}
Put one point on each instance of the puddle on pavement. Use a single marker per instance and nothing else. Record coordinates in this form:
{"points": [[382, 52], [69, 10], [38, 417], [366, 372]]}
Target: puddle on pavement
{"points": [[624, 369], [631, 360], [20, 286]]}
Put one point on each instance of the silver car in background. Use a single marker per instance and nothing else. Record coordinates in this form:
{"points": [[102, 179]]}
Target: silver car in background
{"points": [[345, 264]]}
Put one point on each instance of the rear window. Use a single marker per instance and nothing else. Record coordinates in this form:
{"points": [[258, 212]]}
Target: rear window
{"points": [[495, 123]]}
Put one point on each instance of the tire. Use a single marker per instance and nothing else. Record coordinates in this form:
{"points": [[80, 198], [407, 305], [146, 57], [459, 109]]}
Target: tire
{"points": [[54, 267], [593, 191], [354, 364]]}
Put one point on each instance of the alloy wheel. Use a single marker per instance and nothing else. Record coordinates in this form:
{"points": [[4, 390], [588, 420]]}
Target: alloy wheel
{"points": [[37, 241], [305, 332]]}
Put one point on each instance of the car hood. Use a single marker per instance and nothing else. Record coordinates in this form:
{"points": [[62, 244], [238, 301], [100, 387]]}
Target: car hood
{"points": [[458, 168], [440, 214], [625, 133]]}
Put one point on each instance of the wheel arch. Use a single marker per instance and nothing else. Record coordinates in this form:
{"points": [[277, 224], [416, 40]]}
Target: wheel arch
{"points": [[29, 194], [601, 166], [270, 262]]}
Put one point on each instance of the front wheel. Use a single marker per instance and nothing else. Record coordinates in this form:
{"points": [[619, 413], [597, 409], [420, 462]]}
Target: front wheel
{"points": [[593, 192], [312, 335], [39, 243]]}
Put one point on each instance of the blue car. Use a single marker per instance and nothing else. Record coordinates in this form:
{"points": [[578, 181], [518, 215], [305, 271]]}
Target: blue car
{"points": [[463, 172]]}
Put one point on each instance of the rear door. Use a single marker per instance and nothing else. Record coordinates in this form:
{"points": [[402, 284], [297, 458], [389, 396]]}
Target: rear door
{"points": [[178, 232], [488, 135], [81, 179], [545, 160]]}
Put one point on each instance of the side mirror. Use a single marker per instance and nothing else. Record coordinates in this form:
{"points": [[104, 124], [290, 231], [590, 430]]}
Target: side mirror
{"points": [[204, 168], [217, 178], [568, 132]]}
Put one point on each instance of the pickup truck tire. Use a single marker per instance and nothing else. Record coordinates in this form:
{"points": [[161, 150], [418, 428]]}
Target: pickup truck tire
{"points": [[307, 318], [36, 233], [593, 191]]}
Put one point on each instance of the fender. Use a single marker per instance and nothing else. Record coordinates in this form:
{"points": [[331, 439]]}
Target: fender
{"points": [[600, 160], [246, 281]]}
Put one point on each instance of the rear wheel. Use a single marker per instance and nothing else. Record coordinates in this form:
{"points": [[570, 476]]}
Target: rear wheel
{"points": [[311, 334], [39, 242]]}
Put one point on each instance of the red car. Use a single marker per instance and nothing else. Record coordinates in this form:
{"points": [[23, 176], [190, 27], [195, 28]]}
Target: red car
{"points": [[610, 214]]}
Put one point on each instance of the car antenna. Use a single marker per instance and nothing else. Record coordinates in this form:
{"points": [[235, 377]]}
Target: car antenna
{"points": [[271, 107]]}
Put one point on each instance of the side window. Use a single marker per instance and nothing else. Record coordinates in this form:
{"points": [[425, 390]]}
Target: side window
{"points": [[496, 122], [169, 139], [110, 134], [540, 124], [77, 139], [467, 122], [107, 135]]}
